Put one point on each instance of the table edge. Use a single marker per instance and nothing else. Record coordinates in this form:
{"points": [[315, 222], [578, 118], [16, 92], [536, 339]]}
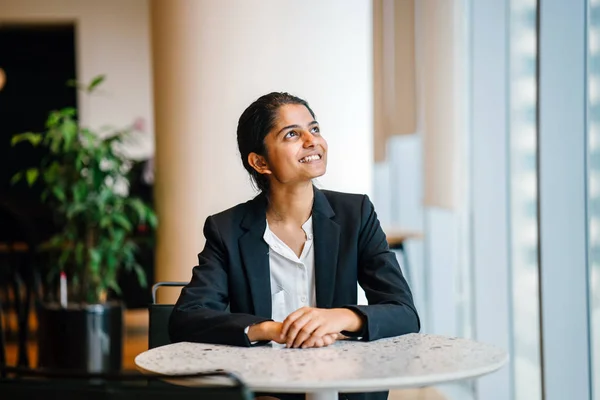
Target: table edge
{"points": [[363, 385]]}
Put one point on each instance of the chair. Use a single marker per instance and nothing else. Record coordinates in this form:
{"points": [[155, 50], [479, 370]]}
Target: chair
{"points": [[25, 384], [158, 318], [18, 242]]}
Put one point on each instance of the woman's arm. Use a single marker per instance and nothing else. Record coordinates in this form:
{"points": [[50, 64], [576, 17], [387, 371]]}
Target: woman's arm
{"points": [[391, 311], [201, 314]]}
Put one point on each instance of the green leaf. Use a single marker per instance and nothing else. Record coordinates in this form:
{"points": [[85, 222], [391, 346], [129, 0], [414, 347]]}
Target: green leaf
{"points": [[69, 111], [74, 209], [138, 206], [105, 221], [59, 193], [95, 82], [53, 119], [111, 262], [80, 161], [33, 138], [52, 172], [95, 259], [79, 248], [64, 257], [69, 132], [75, 84], [80, 192], [32, 175], [114, 286], [121, 220], [152, 219], [55, 139], [141, 274], [16, 178]]}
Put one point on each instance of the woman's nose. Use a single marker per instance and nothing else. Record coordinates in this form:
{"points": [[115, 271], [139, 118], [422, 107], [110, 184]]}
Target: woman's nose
{"points": [[309, 140]]}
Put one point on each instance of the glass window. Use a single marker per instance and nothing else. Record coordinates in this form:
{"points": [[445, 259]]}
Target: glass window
{"points": [[593, 185], [523, 200]]}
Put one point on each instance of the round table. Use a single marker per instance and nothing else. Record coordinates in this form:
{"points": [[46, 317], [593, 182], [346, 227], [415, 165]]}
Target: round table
{"points": [[411, 360]]}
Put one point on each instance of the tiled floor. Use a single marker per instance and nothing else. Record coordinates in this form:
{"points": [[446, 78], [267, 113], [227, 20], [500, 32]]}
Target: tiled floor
{"points": [[136, 341]]}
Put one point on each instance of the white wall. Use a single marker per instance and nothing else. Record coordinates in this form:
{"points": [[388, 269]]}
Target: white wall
{"points": [[318, 50], [112, 38], [212, 60]]}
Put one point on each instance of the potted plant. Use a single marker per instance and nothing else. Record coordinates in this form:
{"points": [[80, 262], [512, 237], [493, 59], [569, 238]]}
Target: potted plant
{"points": [[84, 182]]}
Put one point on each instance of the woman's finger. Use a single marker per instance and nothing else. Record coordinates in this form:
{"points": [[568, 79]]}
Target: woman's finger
{"points": [[295, 329], [305, 333], [290, 319], [312, 340], [321, 331], [328, 340]]}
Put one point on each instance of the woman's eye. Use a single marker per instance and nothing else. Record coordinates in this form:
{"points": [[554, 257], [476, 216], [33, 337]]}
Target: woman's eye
{"points": [[291, 134], [315, 130]]}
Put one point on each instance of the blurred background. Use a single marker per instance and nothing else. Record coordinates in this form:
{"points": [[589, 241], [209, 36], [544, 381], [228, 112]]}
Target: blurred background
{"points": [[473, 125]]}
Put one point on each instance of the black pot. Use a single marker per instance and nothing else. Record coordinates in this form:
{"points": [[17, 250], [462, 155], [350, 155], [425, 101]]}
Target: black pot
{"points": [[80, 337]]}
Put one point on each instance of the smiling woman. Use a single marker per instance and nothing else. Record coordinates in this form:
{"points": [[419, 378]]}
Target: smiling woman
{"points": [[287, 262], [286, 126]]}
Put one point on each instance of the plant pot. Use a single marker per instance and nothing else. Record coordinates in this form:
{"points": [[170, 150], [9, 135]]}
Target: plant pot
{"points": [[85, 337]]}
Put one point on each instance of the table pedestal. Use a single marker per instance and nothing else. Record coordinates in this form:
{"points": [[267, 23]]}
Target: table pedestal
{"points": [[323, 395]]}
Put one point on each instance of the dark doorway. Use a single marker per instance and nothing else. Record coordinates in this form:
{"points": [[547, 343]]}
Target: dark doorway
{"points": [[38, 60]]}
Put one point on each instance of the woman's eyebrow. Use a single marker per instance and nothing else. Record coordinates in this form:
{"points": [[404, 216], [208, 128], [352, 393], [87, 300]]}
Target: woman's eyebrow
{"points": [[296, 126], [287, 127]]}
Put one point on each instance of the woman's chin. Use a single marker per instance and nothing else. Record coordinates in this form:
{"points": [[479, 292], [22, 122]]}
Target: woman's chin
{"points": [[318, 174]]}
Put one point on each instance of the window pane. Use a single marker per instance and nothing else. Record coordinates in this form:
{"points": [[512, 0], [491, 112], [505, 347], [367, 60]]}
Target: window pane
{"points": [[523, 200], [593, 188]]}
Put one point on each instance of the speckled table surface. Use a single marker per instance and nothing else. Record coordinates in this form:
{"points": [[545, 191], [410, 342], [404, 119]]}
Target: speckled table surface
{"points": [[348, 366]]}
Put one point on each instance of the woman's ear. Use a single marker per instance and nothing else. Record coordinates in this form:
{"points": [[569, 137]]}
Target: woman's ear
{"points": [[259, 163]]}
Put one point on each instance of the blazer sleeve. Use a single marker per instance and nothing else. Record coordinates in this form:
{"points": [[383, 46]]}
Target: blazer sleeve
{"points": [[201, 313], [391, 311]]}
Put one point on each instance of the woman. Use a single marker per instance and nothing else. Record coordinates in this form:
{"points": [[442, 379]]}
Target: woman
{"points": [[287, 262]]}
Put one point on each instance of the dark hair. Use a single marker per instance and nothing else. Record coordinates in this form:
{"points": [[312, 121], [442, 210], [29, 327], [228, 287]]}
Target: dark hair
{"points": [[253, 126]]}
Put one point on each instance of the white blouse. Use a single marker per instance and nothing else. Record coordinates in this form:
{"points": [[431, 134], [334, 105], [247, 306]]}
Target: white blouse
{"points": [[292, 277]]}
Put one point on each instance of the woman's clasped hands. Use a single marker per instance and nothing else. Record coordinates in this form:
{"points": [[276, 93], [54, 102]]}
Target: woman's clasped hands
{"points": [[308, 327]]}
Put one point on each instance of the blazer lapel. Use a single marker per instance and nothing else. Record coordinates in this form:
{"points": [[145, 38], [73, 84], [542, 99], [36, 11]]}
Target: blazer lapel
{"points": [[327, 238], [255, 257]]}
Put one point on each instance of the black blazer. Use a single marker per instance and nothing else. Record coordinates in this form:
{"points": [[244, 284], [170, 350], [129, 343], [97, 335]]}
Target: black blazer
{"points": [[233, 270]]}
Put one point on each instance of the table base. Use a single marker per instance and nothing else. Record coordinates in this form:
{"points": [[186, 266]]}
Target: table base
{"points": [[324, 395]]}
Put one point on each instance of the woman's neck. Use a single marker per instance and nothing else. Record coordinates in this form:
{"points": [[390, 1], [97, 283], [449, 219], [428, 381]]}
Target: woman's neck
{"points": [[290, 204]]}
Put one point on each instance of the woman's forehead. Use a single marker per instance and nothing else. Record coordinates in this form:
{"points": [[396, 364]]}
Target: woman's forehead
{"points": [[293, 114]]}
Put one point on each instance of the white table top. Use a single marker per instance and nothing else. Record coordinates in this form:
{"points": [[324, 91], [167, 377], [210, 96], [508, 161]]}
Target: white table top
{"points": [[348, 366]]}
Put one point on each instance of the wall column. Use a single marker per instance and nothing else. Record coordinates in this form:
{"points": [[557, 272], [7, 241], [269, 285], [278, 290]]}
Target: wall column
{"points": [[177, 99]]}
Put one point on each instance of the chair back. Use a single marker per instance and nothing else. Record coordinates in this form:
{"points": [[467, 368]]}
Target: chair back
{"points": [[158, 317], [25, 384]]}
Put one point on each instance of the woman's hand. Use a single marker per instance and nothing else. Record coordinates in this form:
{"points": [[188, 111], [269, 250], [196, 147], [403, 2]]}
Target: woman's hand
{"points": [[308, 326], [271, 330], [266, 331]]}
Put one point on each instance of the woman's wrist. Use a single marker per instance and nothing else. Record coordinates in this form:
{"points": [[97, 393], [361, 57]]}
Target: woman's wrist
{"points": [[352, 321], [264, 331]]}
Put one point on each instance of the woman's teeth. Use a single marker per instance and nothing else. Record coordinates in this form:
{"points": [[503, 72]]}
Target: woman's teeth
{"points": [[310, 158]]}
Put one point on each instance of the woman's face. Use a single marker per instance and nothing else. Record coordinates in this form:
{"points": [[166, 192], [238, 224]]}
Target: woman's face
{"points": [[296, 151]]}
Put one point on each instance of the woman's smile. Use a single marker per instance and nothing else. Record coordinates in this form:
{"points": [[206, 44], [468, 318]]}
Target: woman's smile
{"points": [[310, 159]]}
